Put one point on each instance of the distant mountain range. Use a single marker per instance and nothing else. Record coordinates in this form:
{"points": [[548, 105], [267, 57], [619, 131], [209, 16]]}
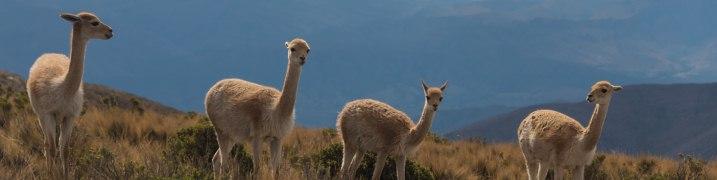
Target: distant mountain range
{"points": [[449, 120], [656, 119]]}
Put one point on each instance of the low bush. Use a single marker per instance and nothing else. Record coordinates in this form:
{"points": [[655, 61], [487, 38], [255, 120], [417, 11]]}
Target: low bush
{"points": [[330, 159], [193, 148]]}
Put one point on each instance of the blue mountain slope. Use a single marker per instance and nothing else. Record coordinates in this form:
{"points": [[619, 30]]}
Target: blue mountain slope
{"points": [[654, 119]]}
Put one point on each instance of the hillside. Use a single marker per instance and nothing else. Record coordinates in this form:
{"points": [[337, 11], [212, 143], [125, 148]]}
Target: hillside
{"points": [[654, 119], [95, 96], [113, 142]]}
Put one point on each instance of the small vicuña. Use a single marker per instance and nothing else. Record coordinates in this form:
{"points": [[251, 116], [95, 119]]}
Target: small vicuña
{"points": [[370, 125]]}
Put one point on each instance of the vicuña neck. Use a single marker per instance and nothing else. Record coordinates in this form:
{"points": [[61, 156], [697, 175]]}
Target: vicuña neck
{"points": [[595, 127], [423, 127], [285, 106], [73, 79]]}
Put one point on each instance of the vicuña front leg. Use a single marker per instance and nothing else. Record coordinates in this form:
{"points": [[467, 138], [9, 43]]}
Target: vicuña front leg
{"points": [[48, 125], [66, 127], [401, 167], [275, 161], [559, 172], [256, 157], [579, 173]]}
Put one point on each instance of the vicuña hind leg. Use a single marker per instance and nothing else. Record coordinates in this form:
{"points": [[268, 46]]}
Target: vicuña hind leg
{"points": [[346, 161], [355, 164], [532, 168], [217, 164], [378, 167], [542, 171], [66, 127], [223, 160]]}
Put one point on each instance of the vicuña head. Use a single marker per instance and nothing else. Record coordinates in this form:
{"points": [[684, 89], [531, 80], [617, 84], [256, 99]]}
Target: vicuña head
{"points": [[601, 92], [89, 25], [434, 95], [298, 50]]}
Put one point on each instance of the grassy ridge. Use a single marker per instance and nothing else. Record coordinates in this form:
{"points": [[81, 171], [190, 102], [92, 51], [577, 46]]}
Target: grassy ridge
{"points": [[125, 143]]}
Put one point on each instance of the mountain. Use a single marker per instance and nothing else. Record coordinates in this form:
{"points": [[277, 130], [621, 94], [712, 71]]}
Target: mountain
{"points": [[451, 119], [98, 96], [652, 118], [492, 52]]}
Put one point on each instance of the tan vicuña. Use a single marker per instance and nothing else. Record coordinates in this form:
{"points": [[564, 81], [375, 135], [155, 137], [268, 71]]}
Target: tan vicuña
{"points": [[369, 125], [552, 140], [54, 85], [242, 111]]}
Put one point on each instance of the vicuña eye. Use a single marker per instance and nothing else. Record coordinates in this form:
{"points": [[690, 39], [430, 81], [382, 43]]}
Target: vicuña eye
{"points": [[292, 49], [428, 98], [307, 51], [440, 99], [95, 23], [603, 90]]}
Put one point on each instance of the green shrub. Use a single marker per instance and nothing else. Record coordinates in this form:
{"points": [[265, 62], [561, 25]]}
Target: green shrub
{"points": [[329, 132], [330, 159], [437, 138], [594, 170], [690, 167], [94, 163], [193, 148], [646, 167], [118, 130], [137, 105]]}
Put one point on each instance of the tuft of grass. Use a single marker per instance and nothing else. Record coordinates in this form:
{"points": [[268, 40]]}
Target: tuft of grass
{"points": [[690, 167]]}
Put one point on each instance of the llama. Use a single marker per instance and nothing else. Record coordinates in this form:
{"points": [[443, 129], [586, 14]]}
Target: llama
{"points": [[242, 111], [55, 84], [370, 125], [552, 140]]}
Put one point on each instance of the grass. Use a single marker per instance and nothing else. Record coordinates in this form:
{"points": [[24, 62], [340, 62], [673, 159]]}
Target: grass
{"points": [[113, 143]]}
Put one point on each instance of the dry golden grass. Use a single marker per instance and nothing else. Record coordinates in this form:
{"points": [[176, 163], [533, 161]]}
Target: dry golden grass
{"points": [[117, 143]]}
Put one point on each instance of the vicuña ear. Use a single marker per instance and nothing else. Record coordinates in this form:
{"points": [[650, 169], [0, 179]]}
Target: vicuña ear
{"points": [[286, 44], [616, 88], [425, 87], [443, 87], [70, 17]]}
